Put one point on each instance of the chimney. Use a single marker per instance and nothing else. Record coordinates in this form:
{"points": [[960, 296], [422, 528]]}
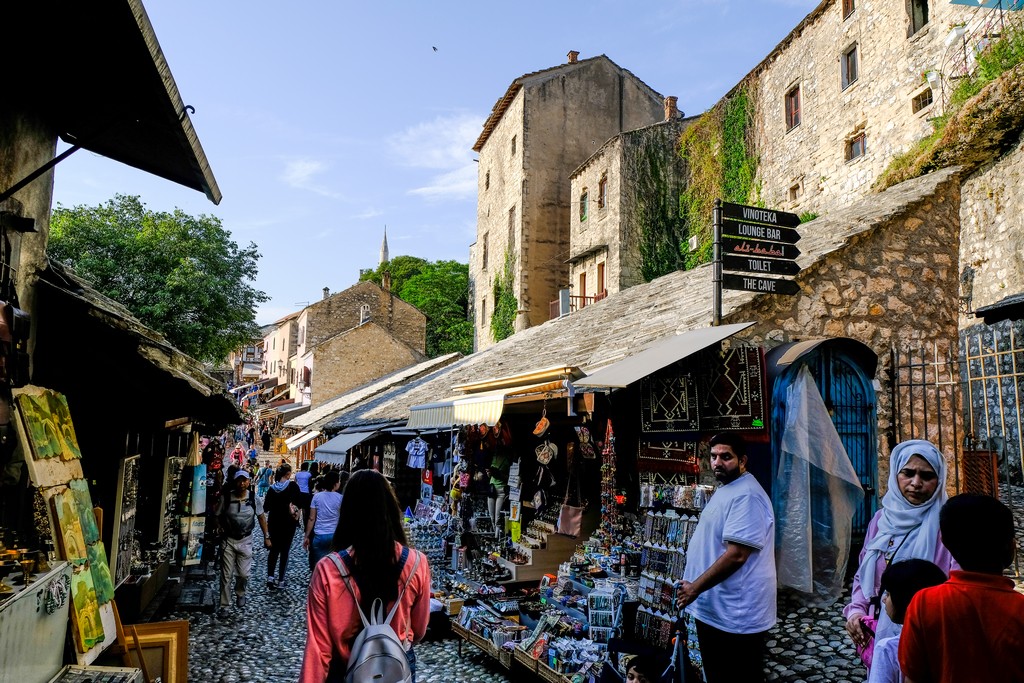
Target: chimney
{"points": [[671, 110], [573, 56], [386, 281], [327, 292]]}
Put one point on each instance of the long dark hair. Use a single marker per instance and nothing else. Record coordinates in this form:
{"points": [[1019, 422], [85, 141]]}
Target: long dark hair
{"points": [[370, 522]]}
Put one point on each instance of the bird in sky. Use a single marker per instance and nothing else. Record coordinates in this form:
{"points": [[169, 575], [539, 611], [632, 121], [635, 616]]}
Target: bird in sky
{"points": [[435, 49]]}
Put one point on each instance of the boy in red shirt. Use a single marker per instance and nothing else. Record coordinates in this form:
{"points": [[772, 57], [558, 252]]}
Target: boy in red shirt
{"points": [[970, 628]]}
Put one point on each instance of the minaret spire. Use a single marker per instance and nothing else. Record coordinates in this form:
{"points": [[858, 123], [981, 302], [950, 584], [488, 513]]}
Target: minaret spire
{"points": [[384, 256]]}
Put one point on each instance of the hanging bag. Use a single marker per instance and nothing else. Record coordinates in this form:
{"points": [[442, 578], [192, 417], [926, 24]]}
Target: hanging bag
{"points": [[377, 654], [570, 517]]}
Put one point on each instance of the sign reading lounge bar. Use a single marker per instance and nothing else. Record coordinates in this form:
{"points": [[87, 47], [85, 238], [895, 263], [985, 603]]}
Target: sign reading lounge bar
{"points": [[761, 241]]}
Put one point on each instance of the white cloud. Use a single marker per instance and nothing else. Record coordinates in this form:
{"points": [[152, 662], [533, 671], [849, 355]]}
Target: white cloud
{"points": [[368, 213], [457, 184], [444, 143], [301, 173]]}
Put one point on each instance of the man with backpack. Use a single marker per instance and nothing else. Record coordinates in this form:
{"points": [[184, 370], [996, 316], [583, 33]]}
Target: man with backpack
{"points": [[237, 513]]}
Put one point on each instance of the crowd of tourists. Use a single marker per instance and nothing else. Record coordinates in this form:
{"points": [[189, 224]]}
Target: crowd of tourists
{"points": [[929, 599]]}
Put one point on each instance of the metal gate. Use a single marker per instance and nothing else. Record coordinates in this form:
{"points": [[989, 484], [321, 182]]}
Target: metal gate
{"points": [[850, 399]]}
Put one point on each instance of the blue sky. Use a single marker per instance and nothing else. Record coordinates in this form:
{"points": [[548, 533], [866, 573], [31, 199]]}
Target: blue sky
{"points": [[324, 121]]}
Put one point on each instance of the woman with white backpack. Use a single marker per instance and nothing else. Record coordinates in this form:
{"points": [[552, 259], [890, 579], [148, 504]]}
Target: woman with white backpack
{"points": [[370, 602]]}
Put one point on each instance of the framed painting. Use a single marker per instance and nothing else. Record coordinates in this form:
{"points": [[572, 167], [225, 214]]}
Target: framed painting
{"points": [[70, 537], [164, 647], [85, 613]]}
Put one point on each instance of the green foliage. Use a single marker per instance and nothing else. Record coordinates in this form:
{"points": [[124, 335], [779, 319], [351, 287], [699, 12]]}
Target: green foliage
{"points": [[657, 211], [401, 268], [807, 216], [721, 163], [441, 290], [1002, 55], [503, 320], [181, 275], [438, 288]]}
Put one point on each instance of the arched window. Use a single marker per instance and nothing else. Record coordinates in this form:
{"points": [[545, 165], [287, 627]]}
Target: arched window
{"points": [[364, 314]]}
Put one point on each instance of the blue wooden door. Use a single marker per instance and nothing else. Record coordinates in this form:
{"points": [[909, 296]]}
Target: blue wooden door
{"points": [[850, 399]]}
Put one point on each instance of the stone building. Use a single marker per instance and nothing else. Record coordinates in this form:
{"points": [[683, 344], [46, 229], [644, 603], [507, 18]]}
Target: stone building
{"points": [[852, 86], [545, 125], [332, 352], [634, 177]]}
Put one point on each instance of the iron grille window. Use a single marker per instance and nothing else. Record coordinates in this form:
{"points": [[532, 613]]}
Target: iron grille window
{"points": [[921, 100], [584, 205], [602, 192]]}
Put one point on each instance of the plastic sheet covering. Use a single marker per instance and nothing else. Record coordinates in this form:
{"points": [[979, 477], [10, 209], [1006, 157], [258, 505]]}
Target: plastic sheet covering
{"points": [[817, 492]]}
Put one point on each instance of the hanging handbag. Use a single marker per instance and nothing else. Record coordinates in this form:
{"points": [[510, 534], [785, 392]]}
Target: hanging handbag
{"points": [[546, 452], [570, 517]]}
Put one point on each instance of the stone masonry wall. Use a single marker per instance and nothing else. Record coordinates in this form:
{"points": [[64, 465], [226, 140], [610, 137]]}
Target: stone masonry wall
{"points": [[355, 358], [602, 225], [566, 114], [811, 158], [341, 311], [895, 284], [992, 235]]}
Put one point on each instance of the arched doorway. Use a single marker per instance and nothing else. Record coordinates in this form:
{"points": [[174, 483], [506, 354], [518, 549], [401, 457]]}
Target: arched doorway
{"points": [[843, 370]]}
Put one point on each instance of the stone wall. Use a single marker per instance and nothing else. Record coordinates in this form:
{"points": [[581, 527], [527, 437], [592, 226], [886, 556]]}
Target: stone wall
{"points": [[893, 284], [991, 253], [806, 167], [341, 311], [559, 118], [357, 357], [643, 170]]}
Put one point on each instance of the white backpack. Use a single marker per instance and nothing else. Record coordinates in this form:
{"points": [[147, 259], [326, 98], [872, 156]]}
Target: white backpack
{"points": [[377, 655]]}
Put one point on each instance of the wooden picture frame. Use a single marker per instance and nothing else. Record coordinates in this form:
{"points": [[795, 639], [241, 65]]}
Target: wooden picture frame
{"points": [[164, 647]]}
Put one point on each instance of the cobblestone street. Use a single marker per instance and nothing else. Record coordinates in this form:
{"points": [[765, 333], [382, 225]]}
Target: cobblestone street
{"points": [[264, 641]]}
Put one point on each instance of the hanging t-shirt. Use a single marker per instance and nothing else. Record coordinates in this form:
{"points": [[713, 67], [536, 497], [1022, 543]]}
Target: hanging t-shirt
{"points": [[417, 450], [327, 505], [741, 512]]}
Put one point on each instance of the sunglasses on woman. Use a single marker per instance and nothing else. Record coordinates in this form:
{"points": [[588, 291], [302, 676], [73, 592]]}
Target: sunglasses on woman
{"points": [[926, 475]]}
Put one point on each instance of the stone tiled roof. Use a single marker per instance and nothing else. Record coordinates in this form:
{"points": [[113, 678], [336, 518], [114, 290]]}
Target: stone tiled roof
{"points": [[323, 413], [625, 322]]}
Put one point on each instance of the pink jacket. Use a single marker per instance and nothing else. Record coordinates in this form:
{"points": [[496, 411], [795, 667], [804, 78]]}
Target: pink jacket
{"points": [[859, 603], [332, 620]]}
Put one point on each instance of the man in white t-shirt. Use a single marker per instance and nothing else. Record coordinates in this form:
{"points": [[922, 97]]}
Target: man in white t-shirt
{"points": [[729, 582]]}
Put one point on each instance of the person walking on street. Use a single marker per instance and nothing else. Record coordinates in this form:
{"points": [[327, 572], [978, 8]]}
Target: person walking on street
{"points": [[323, 519], [970, 628], [304, 478], [729, 582], [263, 477], [906, 527], [265, 438], [282, 520], [376, 564], [250, 436], [237, 513]]}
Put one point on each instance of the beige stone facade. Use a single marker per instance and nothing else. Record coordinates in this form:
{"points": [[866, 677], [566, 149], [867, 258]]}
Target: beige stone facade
{"points": [[818, 164], [279, 348], [356, 357], [539, 132], [610, 188]]}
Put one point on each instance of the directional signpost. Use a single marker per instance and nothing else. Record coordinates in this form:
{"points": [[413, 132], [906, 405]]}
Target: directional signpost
{"points": [[751, 239]]}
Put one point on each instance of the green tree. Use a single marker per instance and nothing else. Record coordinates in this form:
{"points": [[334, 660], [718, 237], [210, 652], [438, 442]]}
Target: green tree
{"points": [[438, 288], [441, 291], [181, 275], [401, 268]]}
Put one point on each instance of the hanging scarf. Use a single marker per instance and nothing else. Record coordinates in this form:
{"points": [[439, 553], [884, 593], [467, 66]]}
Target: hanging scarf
{"points": [[913, 528]]}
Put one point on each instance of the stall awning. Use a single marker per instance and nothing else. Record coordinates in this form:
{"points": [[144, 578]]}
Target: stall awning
{"points": [[235, 390], [336, 450], [300, 439], [658, 355], [267, 382], [473, 409]]}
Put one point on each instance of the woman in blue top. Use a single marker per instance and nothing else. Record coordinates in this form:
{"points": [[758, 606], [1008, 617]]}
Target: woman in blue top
{"points": [[323, 517]]}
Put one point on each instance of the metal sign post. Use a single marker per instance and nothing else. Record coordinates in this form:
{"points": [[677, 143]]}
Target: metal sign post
{"points": [[716, 312]]}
